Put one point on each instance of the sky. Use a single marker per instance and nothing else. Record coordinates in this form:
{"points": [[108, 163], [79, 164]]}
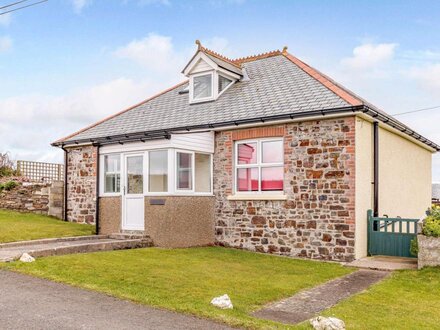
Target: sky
{"points": [[65, 64]]}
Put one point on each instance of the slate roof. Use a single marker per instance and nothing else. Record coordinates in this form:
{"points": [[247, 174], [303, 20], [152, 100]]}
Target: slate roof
{"points": [[279, 84]]}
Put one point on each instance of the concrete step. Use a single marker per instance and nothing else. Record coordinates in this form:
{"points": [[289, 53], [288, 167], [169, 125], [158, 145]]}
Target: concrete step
{"points": [[128, 236], [64, 246], [53, 240]]}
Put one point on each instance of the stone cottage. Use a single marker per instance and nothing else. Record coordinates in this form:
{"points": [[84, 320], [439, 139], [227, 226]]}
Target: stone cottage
{"points": [[262, 153]]}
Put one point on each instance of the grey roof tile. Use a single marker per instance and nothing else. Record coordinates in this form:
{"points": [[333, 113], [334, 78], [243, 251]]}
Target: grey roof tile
{"points": [[276, 86]]}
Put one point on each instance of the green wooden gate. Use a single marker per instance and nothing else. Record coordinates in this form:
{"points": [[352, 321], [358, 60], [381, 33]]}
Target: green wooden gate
{"points": [[390, 236]]}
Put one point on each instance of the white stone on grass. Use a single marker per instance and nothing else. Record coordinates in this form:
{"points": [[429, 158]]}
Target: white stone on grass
{"points": [[327, 323], [26, 258], [223, 302]]}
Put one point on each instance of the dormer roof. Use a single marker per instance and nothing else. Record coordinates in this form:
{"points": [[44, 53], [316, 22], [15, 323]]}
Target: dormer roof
{"points": [[213, 59]]}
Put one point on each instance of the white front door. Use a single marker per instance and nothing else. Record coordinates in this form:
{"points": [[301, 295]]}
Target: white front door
{"points": [[133, 193]]}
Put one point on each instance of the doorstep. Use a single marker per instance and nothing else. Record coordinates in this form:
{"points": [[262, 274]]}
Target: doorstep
{"points": [[384, 263]]}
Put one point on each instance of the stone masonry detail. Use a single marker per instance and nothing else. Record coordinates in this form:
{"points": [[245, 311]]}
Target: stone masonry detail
{"points": [[81, 184], [39, 198], [317, 219]]}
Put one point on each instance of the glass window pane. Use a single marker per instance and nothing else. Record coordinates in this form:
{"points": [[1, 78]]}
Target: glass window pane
{"points": [[203, 173], [184, 171], [272, 178], [272, 151], [202, 86], [112, 183], [112, 179], [135, 175], [247, 153], [158, 171], [247, 179], [223, 83]]}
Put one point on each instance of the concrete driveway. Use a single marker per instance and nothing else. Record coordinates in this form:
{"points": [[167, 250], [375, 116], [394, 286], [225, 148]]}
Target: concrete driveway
{"points": [[31, 303]]}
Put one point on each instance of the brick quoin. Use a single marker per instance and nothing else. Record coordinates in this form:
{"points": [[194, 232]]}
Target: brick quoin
{"points": [[318, 218]]}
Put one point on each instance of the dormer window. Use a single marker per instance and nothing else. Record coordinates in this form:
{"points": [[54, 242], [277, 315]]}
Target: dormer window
{"points": [[223, 83], [202, 87], [210, 75]]}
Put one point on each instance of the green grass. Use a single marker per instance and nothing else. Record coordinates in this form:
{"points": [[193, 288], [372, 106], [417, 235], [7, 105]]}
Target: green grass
{"points": [[407, 300], [185, 280], [16, 226]]}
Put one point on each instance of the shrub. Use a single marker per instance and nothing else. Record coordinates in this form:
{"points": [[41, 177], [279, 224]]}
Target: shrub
{"points": [[8, 185], [414, 247], [431, 224], [7, 166]]}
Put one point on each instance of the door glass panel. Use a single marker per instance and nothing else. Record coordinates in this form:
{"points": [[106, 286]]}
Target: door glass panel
{"points": [[135, 175]]}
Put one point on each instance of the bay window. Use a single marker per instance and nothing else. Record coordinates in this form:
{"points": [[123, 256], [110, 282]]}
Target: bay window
{"points": [[154, 172], [184, 171], [158, 171], [259, 166], [112, 173], [193, 172], [202, 173]]}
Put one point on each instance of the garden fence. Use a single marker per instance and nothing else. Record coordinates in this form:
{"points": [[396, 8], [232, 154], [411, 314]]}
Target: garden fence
{"points": [[41, 172]]}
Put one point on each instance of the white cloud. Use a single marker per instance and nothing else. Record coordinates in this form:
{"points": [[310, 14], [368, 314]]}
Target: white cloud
{"points": [[31, 122], [79, 5], [428, 76], [5, 19], [154, 52], [370, 56], [5, 44]]}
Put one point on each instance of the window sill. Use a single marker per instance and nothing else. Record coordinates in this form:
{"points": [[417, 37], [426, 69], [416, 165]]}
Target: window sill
{"points": [[258, 197]]}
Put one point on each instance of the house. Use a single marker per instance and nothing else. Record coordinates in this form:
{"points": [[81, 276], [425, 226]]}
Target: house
{"points": [[436, 193], [262, 153]]}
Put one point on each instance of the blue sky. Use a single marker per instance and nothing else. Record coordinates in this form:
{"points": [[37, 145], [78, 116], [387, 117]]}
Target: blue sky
{"points": [[67, 63]]}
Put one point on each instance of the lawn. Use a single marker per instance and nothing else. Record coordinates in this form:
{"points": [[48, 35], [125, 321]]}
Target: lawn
{"points": [[16, 226], [407, 300], [185, 280]]}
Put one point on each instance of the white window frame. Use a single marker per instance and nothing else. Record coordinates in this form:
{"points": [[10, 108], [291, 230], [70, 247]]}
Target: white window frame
{"points": [[193, 164], [147, 174], [172, 173], [227, 87], [192, 190], [213, 86], [102, 175], [259, 164]]}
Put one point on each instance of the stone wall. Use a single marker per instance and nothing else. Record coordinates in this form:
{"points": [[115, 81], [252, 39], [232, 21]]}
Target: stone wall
{"points": [[39, 198], [81, 184], [429, 251], [318, 218]]}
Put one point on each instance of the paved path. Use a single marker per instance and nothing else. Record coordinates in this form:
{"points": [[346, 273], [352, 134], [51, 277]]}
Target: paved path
{"points": [[306, 304], [31, 303], [67, 245]]}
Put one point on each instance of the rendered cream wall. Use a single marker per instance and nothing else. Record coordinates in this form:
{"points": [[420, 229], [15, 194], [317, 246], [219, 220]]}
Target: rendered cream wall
{"points": [[364, 179], [404, 177]]}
